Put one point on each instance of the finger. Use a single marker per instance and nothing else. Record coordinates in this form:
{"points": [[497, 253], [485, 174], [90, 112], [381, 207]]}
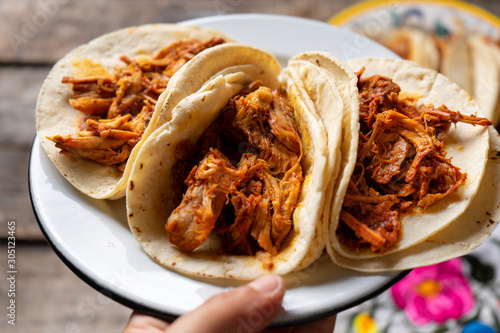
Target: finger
{"points": [[140, 323], [248, 308]]}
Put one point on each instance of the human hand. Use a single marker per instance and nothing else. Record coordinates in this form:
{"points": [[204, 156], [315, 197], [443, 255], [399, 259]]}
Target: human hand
{"points": [[249, 308]]}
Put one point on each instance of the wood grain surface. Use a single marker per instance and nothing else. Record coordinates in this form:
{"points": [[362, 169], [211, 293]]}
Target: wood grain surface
{"points": [[35, 33]]}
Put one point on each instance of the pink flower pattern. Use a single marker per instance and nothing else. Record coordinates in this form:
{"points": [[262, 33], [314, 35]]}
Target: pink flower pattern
{"points": [[434, 293]]}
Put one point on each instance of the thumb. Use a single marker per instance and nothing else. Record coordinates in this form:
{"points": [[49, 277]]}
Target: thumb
{"points": [[249, 308]]}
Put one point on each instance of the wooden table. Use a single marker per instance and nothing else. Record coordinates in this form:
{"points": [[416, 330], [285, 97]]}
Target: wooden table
{"points": [[49, 297]]}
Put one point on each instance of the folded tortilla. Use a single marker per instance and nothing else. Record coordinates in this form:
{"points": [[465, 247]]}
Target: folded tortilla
{"points": [[313, 94], [55, 116], [466, 145], [460, 237], [316, 68]]}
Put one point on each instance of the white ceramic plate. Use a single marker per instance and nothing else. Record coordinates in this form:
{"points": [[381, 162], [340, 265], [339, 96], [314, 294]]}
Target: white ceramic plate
{"points": [[92, 236]]}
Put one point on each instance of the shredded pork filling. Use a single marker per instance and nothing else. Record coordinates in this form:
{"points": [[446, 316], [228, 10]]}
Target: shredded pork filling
{"points": [[117, 107], [401, 164], [247, 184]]}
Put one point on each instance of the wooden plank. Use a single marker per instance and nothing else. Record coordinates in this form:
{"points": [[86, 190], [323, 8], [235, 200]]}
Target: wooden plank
{"points": [[19, 88], [42, 31], [15, 202], [50, 298]]}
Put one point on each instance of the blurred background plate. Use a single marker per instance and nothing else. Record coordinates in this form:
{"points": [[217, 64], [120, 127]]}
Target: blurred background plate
{"points": [[459, 39], [428, 15]]}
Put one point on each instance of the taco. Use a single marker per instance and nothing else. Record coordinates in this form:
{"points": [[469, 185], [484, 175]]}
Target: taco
{"points": [[101, 100], [460, 237], [419, 162], [233, 185]]}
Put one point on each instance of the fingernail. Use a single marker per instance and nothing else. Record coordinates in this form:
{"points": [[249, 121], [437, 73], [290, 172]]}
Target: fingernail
{"points": [[267, 284]]}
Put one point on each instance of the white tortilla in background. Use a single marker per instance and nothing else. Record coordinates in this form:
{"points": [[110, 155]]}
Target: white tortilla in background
{"points": [[466, 145], [485, 61], [55, 116], [410, 43], [149, 194], [456, 59]]}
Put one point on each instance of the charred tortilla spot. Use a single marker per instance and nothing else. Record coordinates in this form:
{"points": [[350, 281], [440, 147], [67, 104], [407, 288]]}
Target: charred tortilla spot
{"points": [[131, 185]]}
